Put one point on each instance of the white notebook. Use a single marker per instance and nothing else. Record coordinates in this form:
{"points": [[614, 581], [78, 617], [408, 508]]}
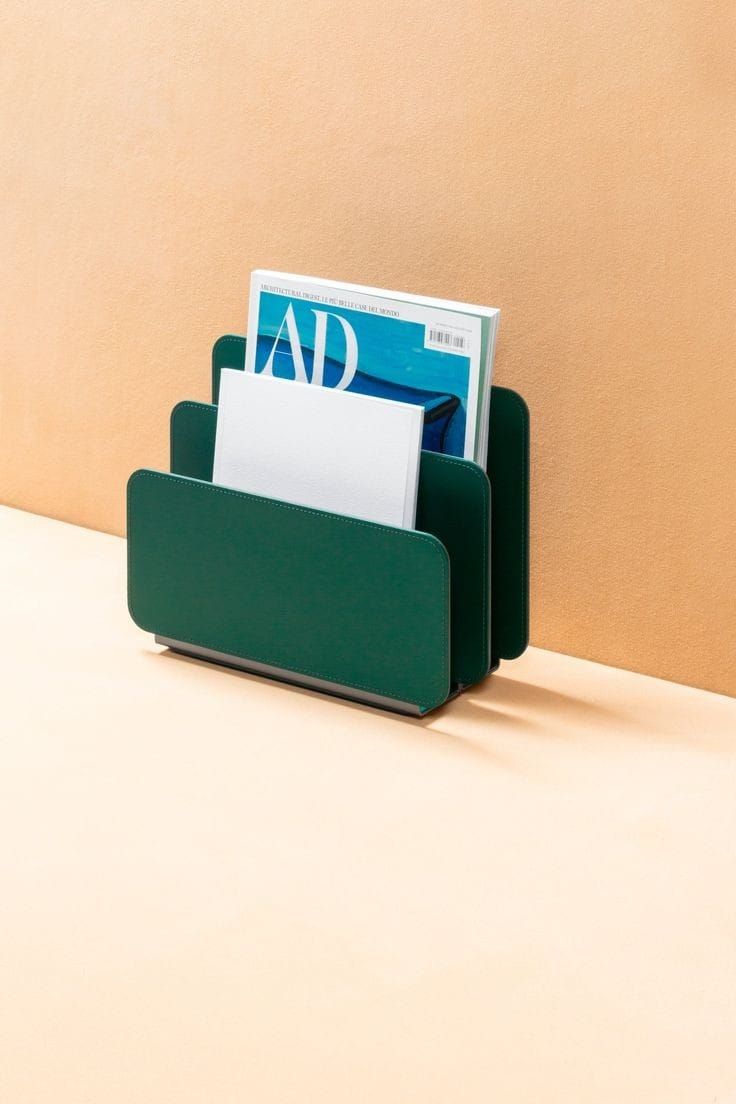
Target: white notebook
{"points": [[317, 446]]}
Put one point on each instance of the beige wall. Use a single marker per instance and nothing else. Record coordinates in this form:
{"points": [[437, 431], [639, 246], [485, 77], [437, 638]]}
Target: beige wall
{"points": [[571, 162]]}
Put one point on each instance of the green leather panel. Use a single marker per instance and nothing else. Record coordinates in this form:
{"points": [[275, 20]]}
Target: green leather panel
{"points": [[332, 597], [453, 505], [192, 439], [508, 471]]}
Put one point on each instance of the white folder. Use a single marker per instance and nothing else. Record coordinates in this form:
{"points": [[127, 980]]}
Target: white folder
{"points": [[317, 446]]}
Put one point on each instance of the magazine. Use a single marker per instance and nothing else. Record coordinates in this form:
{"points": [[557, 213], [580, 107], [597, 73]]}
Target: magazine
{"points": [[431, 352]]}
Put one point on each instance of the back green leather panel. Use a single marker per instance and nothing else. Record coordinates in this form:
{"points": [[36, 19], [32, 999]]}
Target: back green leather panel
{"points": [[453, 505], [508, 471], [227, 352], [347, 601]]}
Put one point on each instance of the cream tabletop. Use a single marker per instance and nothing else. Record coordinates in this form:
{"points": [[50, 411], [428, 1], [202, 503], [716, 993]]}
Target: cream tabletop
{"points": [[219, 889]]}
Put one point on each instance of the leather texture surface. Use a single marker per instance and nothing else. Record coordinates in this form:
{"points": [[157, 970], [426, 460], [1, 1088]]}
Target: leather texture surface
{"points": [[453, 505], [356, 603]]}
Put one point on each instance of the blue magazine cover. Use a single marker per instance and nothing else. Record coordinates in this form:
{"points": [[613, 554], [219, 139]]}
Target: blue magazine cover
{"points": [[340, 336]]}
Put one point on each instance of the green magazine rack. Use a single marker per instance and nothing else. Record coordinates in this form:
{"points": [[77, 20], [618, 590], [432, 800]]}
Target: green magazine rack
{"points": [[397, 618]]}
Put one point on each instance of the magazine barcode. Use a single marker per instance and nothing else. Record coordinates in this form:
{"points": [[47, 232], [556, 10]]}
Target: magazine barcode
{"points": [[452, 341]]}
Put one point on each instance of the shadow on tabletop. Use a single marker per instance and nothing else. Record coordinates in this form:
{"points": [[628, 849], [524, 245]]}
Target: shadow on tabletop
{"points": [[501, 703]]}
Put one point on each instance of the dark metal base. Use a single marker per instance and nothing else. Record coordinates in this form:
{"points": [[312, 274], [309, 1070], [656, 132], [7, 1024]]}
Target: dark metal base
{"points": [[283, 675]]}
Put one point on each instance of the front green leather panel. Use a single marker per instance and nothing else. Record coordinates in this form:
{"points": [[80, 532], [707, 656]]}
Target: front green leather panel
{"points": [[453, 505], [348, 601]]}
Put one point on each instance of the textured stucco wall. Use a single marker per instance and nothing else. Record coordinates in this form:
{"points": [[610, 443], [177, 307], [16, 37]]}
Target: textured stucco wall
{"points": [[572, 163]]}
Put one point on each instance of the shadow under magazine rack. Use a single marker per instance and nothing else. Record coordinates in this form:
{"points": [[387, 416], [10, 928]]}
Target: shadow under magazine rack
{"points": [[398, 618]]}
